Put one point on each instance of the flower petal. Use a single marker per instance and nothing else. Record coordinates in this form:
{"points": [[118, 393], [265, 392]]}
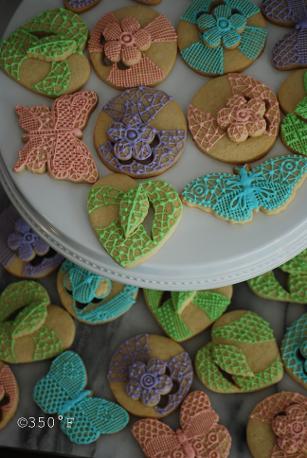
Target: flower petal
{"points": [[142, 39], [112, 50], [148, 134], [133, 389], [237, 133], [231, 39], [130, 24], [142, 151], [206, 21], [40, 246], [238, 22], [117, 131], [156, 366], [14, 240], [136, 370], [123, 151], [212, 37], [112, 31], [257, 106], [222, 11], [150, 398], [131, 55], [164, 384], [224, 117], [25, 251], [22, 226], [256, 128], [236, 101]]}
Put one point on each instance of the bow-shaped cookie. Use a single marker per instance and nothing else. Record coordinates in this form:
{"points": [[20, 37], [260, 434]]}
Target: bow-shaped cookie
{"points": [[199, 435]]}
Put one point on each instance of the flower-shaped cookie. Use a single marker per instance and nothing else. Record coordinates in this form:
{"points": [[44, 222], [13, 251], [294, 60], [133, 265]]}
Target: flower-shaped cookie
{"points": [[243, 118], [290, 427], [148, 382], [222, 26], [26, 242]]}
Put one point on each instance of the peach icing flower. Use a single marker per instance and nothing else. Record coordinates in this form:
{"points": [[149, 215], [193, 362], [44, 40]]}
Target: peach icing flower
{"points": [[290, 428]]}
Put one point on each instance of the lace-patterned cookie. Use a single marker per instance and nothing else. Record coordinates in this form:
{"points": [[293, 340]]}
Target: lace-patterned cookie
{"points": [[269, 187], [46, 54], [234, 118], [91, 298], [183, 315], [290, 51], [133, 46], [277, 427], [268, 286], [9, 395], [140, 133], [150, 375], [80, 6], [215, 38], [84, 417], [52, 138], [23, 253], [118, 207], [199, 435], [242, 356], [39, 330]]}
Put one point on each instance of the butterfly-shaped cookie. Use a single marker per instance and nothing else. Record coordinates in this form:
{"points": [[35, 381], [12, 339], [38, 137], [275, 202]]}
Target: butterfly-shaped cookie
{"points": [[52, 138], [84, 418], [268, 187], [199, 434]]}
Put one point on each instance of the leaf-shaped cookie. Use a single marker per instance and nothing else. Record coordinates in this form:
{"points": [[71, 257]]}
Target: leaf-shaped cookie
{"points": [[52, 48], [29, 320], [181, 298], [133, 209], [231, 359]]}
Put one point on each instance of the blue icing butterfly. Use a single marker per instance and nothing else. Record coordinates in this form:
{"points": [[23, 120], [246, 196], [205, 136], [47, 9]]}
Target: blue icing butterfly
{"points": [[84, 285], [85, 417], [234, 197]]}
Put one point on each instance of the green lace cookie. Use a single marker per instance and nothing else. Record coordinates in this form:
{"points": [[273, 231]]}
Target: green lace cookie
{"points": [[267, 285], [30, 328], [184, 314], [118, 206], [46, 54], [242, 356]]}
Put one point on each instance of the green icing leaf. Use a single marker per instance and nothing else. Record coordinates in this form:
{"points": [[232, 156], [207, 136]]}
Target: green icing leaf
{"points": [[181, 298], [249, 328], [267, 287], [133, 209], [57, 81], [212, 303], [103, 196], [47, 344], [29, 320], [52, 49], [231, 359], [301, 109], [272, 374], [297, 264], [7, 352]]}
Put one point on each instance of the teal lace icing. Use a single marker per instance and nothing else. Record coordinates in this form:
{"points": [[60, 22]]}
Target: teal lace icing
{"points": [[223, 27], [267, 187], [66, 35], [84, 285], [294, 350], [62, 392]]}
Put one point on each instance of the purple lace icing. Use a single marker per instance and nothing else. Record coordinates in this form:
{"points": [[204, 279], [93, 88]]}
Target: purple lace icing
{"points": [[134, 147], [26, 242], [149, 379], [80, 3]]}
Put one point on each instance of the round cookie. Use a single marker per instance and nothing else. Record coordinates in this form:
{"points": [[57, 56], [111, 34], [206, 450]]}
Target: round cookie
{"points": [[46, 54], [182, 315], [90, 298], [9, 395], [292, 90], [150, 375], [133, 46], [149, 2], [39, 331], [23, 253], [242, 356], [140, 133], [294, 350], [215, 38], [234, 118], [80, 6], [277, 427], [118, 206]]}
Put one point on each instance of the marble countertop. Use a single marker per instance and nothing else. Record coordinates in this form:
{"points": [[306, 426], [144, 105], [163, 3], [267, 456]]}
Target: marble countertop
{"points": [[97, 344]]}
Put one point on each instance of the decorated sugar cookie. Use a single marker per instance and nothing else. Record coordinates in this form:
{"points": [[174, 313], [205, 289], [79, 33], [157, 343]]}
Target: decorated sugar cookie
{"points": [[91, 298], [267, 286], [9, 395], [277, 427], [46, 54], [52, 138], [292, 90], [269, 187], [133, 46], [234, 118], [117, 208], [80, 6], [150, 375], [149, 2], [141, 133], [23, 253], [215, 38], [39, 331], [242, 356], [84, 418], [184, 314], [290, 51], [200, 435], [294, 350]]}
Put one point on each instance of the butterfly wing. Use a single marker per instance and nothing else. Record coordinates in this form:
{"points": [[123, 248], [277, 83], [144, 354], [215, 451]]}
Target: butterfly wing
{"points": [[64, 381], [71, 111], [92, 417]]}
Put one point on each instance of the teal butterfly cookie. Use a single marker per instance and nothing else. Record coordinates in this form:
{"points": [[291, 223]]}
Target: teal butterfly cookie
{"points": [[242, 356], [91, 298], [267, 286], [215, 38], [84, 418], [182, 315]]}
